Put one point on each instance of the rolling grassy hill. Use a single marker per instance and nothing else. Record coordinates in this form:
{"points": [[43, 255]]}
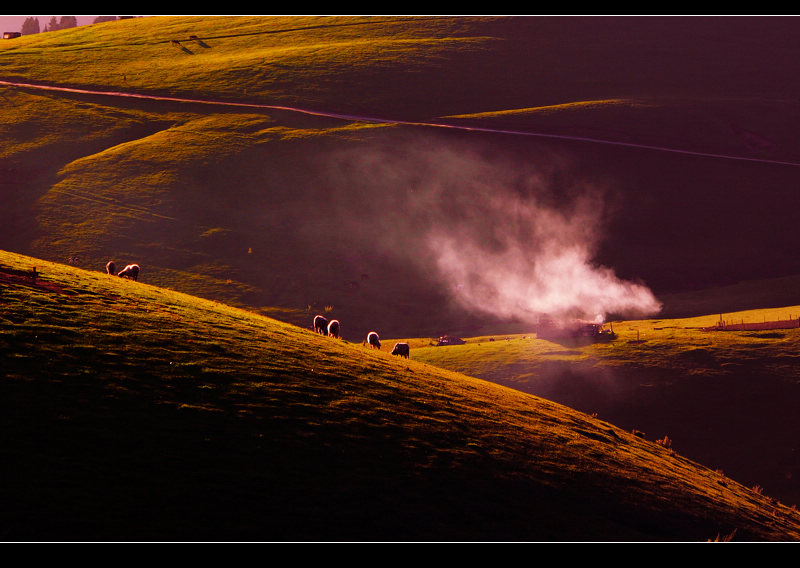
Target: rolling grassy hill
{"points": [[137, 412], [197, 157], [217, 200], [724, 398]]}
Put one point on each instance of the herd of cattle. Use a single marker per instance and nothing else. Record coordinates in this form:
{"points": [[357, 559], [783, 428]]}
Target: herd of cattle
{"points": [[332, 328], [320, 324]]}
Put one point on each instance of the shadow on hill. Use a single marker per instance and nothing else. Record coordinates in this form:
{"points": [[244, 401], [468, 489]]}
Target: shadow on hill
{"points": [[737, 420], [122, 468]]}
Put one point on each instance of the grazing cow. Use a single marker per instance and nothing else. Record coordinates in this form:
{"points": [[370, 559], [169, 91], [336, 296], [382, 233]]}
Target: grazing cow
{"points": [[131, 271], [320, 325], [333, 329], [373, 340], [111, 268], [401, 349]]}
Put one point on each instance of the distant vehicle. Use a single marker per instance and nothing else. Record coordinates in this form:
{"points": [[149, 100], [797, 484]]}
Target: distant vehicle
{"points": [[450, 340], [11, 35], [576, 329]]}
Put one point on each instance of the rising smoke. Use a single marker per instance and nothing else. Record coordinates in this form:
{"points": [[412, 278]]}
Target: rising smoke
{"points": [[507, 239]]}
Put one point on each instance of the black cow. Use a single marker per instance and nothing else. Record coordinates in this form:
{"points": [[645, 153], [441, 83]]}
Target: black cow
{"points": [[333, 329], [320, 325], [111, 268], [131, 271], [401, 349], [372, 340]]}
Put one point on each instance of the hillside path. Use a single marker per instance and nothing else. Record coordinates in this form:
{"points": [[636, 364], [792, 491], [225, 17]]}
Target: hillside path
{"points": [[377, 120]]}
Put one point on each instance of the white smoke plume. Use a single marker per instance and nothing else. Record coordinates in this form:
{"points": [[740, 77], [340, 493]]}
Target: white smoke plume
{"points": [[510, 240]]}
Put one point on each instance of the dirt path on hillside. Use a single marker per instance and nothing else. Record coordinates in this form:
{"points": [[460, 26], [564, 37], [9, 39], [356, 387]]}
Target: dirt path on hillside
{"points": [[390, 121]]}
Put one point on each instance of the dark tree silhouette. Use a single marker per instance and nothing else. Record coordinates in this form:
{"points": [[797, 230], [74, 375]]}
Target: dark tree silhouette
{"points": [[30, 26], [52, 25], [68, 22], [65, 22]]}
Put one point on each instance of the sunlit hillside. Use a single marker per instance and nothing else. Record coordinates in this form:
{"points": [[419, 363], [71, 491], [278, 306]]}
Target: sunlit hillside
{"points": [[416, 176], [333, 191], [725, 398], [136, 412]]}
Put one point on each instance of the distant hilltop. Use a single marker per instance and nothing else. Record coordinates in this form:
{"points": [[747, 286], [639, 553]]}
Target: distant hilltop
{"points": [[25, 25]]}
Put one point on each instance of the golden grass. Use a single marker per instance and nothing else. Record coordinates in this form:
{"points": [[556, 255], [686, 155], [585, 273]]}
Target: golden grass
{"points": [[243, 411], [98, 366]]}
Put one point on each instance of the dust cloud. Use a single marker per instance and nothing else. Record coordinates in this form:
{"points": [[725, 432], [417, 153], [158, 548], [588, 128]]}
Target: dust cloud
{"points": [[514, 240]]}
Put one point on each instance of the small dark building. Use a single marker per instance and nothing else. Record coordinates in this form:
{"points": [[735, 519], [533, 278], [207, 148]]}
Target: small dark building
{"points": [[11, 35]]}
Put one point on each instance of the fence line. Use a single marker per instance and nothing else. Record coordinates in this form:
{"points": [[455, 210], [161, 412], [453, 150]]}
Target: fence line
{"points": [[755, 326]]}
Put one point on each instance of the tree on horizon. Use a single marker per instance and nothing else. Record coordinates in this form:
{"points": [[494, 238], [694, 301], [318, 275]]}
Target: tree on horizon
{"points": [[30, 26], [65, 22]]}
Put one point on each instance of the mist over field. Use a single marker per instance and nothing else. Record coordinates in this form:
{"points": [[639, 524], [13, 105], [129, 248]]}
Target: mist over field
{"points": [[506, 238]]}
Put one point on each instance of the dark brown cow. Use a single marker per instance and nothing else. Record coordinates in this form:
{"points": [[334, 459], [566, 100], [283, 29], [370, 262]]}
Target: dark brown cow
{"points": [[372, 340], [333, 329], [131, 271], [320, 325], [401, 349]]}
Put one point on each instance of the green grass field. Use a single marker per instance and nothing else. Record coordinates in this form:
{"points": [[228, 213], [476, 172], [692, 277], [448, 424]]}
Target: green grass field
{"points": [[725, 398], [216, 200], [136, 412], [196, 404], [687, 343]]}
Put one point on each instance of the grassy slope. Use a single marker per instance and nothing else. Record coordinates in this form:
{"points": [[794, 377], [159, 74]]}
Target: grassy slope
{"points": [[224, 197], [95, 197], [88, 177], [727, 399], [136, 412]]}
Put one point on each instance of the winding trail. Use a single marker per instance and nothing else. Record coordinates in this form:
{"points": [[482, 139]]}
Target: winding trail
{"points": [[377, 120]]}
